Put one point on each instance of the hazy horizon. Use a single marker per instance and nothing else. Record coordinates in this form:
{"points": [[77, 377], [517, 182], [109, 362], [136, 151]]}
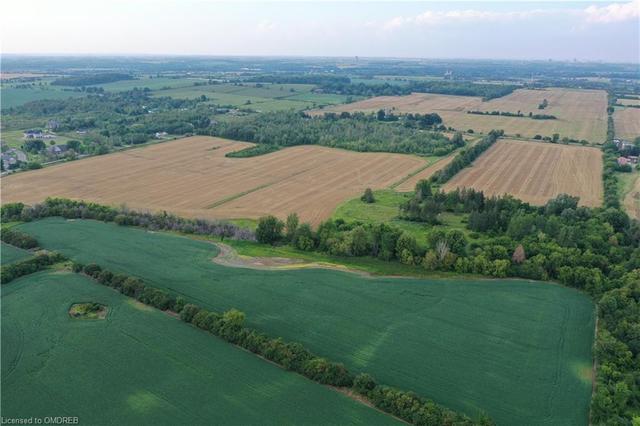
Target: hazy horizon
{"points": [[559, 31]]}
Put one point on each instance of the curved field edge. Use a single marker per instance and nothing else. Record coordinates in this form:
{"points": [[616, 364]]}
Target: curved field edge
{"points": [[461, 343], [141, 366]]}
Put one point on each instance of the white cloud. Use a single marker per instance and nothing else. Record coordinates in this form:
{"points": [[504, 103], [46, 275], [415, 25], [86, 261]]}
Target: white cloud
{"points": [[615, 12], [431, 17], [266, 26]]}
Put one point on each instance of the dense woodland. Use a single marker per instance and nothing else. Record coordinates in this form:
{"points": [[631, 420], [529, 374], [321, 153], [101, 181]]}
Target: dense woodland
{"points": [[114, 119], [357, 132]]}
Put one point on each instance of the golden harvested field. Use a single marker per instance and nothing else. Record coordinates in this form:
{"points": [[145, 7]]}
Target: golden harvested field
{"points": [[626, 122], [629, 101], [192, 177], [581, 113], [632, 200], [535, 172], [415, 103]]}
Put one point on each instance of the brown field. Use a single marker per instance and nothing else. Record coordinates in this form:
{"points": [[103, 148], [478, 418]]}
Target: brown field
{"points": [[629, 101], [632, 200], [192, 177], [535, 172], [415, 103], [626, 122], [410, 184], [581, 113]]}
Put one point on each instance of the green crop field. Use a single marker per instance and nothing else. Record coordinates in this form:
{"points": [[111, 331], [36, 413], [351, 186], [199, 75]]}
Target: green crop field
{"points": [[11, 96], [263, 98], [10, 254], [156, 83], [518, 350], [141, 366]]}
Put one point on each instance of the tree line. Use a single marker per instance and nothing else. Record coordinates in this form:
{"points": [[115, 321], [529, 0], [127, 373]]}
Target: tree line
{"points": [[230, 326], [515, 114], [466, 157], [72, 209], [31, 265], [459, 88], [91, 79], [18, 239]]}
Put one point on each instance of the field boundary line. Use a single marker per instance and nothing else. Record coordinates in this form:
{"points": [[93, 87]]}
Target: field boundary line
{"points": [[249, 191], [412, 174]]}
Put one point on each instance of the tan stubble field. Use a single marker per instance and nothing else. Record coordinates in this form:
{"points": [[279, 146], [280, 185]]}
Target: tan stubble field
{"points": [[192, 177], [581, 114], [535, 172]]}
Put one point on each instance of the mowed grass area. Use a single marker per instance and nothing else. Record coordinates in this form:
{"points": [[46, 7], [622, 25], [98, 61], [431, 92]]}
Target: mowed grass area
{"points": [[13, 96], [581, 114], [10, 254], [386, 210], [518, 350], [140, 366]]}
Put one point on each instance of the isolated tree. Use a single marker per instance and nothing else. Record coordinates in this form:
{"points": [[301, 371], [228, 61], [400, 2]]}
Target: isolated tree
{"points": [[457, 139], [518, 255], [269, 230], [368, 197], [291, 226]]}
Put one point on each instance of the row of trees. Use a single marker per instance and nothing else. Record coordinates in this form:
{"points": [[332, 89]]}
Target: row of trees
{"points": [[72, 209], [37, 263], [515, 114], [18, 239], [293, 356], [91, 79], [466, 157], [460, 88], [357, 132]]}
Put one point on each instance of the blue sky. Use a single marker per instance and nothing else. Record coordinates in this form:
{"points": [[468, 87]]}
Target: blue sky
{"points": [[607, 31]]}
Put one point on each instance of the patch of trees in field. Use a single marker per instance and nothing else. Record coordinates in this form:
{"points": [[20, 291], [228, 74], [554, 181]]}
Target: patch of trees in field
{"points": [[293, 356], [356, 132], [91, 79]]}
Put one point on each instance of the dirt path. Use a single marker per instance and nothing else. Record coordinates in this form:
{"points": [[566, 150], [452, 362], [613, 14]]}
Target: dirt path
{"points": [[229, 257]]}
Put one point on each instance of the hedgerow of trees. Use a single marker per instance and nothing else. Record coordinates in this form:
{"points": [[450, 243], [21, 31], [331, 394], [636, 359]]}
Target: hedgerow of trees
{"points": [[72, 209], [89, 79]]}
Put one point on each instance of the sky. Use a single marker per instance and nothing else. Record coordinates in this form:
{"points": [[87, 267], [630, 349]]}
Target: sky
{"points": [[576, 30]]}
